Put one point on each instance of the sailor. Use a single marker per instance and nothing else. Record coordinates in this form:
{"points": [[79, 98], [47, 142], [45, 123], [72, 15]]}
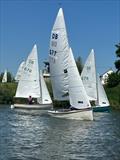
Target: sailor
{"points": [[30, 100]]}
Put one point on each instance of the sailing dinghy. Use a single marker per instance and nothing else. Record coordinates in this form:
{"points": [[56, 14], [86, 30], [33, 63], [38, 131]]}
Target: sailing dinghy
{"points": [[65, 78], [30, 86], [93, 86], [80, 108], [102, 103]]}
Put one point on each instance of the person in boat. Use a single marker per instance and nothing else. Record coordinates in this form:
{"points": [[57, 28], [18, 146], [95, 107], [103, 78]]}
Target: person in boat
{"points": [[30, 100]]}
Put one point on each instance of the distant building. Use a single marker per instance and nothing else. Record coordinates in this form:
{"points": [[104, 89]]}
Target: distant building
{"points": [[104, 76]]}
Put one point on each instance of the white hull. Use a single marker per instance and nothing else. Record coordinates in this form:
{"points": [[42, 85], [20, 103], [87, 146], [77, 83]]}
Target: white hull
{"points": [[32, 106], [86, 114]]}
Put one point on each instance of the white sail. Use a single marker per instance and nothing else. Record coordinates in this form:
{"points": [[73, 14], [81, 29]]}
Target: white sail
{"points": [[88, 76], [4, 79], [58, 58], [77, 93], [102, 97], [20, 70], [45, 96], [29, 84]]}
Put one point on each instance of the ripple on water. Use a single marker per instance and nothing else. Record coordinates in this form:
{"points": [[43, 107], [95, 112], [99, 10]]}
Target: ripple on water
{"points": [[32, 135]]}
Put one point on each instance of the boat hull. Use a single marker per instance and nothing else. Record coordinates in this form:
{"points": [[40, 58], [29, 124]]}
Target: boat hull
{"points": [[101, 109], [32, 106], [83, 114]]}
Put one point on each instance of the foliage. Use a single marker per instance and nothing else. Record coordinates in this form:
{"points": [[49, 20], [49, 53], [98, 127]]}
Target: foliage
{"points": [[10, 77], [7, 92], [79, 64], [117, 62], [118, 50], [117, 65], [114, 96], [113, 80]]}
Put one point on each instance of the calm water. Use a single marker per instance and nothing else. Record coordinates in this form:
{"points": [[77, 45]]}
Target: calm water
{"points": [[31, 135]]}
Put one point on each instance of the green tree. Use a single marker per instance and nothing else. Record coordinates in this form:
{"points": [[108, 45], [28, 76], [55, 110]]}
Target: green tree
{"points": [[114, 78], [117, 62], [79, 64], [10, 77]]}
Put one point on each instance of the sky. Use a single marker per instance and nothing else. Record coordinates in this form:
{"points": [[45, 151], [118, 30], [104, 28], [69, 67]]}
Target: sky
{"points": [[90, 24]]}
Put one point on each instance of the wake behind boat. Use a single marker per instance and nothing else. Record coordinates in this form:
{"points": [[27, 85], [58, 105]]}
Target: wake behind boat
{"points": [[31, 86]]}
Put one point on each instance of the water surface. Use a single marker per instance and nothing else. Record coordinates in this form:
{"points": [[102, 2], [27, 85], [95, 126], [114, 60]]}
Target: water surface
{"points": [[32, 135]]}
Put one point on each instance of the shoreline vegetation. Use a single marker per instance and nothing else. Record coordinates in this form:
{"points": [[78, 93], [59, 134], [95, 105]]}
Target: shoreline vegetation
{"points": [[7, 93]]}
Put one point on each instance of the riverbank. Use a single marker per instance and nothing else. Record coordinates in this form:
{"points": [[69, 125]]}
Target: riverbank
{"points": [[114, 96], [7, 93]]}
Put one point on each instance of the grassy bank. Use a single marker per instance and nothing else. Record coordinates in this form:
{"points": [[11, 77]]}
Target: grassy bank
{"points": [[114, 96], [7, 92]]}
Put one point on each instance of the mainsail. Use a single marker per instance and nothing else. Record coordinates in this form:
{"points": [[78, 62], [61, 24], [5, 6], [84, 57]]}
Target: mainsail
{"points": [[58, 58], [88, 76], [29, 83], [77, 93]]}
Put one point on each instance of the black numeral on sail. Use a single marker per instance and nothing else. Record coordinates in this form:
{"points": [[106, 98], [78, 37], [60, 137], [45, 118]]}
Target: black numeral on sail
{"points": [[54, 36], [52, 52]]}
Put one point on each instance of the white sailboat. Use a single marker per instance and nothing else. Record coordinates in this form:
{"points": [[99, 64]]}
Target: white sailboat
{"points": [[102, 103], [80, 106], [88, 77], [58, 58], [63, 69], [29, 84], [20, 70], [4, 79], [92, 84]]}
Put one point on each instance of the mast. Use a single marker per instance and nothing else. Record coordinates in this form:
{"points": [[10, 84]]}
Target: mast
{"points": [[41, 88]]}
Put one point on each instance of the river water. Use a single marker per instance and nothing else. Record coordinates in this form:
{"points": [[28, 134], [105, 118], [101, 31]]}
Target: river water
{"points": [[32, 135]]}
